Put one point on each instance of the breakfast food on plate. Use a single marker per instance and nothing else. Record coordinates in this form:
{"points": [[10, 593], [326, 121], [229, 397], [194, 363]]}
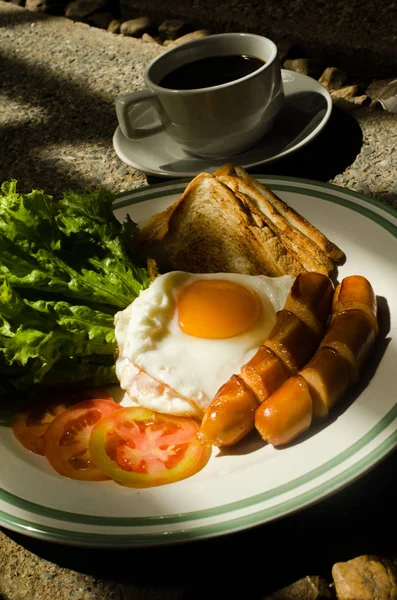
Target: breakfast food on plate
{"points": [[311, 256], [138, 447], [272, 205], [234, 324], [230, 222], [336, 365], [188, 333], [295, 336]]}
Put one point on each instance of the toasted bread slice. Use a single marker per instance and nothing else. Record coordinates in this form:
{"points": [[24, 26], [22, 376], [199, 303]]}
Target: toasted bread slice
{"points": [[210, 229], [312, 257], [290, 216]]}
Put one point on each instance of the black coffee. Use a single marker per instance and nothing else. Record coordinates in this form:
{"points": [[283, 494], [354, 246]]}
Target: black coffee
{"points": [[214, 70]]}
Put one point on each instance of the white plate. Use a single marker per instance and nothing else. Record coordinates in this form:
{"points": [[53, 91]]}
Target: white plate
{"points": [[308, 107], [254, 483]]}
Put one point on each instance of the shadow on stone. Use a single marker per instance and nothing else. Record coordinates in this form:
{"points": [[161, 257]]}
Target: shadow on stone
{"points": [[257, 561], [330, 153], [68, 113]]}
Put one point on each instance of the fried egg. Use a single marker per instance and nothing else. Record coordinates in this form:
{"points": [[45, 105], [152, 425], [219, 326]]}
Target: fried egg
{"points": [[187, 334]]}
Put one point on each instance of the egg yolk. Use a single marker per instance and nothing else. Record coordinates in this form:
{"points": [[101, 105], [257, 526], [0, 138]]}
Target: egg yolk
{"points": [[217, 309]]}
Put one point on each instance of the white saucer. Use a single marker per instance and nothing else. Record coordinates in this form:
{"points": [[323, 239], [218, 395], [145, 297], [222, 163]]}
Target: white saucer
{"points": [[308, 107]]}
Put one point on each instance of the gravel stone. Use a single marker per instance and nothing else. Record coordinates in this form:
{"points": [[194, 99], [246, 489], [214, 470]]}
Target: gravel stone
{"points": [[136, 27], [59, 82]]}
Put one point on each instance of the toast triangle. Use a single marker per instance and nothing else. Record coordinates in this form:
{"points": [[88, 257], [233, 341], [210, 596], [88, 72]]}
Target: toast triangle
{"points": [[210, 229]]}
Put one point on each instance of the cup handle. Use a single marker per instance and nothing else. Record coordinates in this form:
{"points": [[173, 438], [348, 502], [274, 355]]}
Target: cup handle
{"points": [[126, 102]]}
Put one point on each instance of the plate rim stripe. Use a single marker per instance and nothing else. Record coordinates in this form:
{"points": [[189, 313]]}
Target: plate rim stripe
{"points": [[232, 525], [224, 509]]}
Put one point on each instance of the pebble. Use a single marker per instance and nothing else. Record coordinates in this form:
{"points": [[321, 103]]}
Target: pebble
{"points": [[171, 29], [82, 8], [114, 26], [345, 92], [306, 66], [135, 27], [188, 37], [332, 78], [148, 38]]}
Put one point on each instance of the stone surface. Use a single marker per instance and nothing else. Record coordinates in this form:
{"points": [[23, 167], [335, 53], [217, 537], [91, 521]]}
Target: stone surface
{"points": [[135, 27], [308, 588], [81, 8], [172, 28], [148, 38], [59, 125], [366, 578], [306, 66], [343, 33], [378, 86], [43, 5], [347, 92], [114, 26], [188, 37], [24, 576], [332, 78]]}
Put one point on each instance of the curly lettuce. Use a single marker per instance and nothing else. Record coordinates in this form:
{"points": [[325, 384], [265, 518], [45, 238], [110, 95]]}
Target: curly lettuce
{"points": [[66, 267]]}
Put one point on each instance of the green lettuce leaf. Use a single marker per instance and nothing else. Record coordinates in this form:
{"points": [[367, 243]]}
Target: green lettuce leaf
{"points": [[66, 268], [36, 335], [44, 249]]}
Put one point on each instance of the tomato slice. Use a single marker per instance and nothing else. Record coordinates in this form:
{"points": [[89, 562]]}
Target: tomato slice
{"points": [[30, 423], [138, 447], [66, 439]]}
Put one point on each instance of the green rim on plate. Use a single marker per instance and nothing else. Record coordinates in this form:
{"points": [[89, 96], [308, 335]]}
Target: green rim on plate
{"points": [[133, 536]]}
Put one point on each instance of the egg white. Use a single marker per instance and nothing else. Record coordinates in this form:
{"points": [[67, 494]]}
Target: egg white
{"points": [[193, 369]]}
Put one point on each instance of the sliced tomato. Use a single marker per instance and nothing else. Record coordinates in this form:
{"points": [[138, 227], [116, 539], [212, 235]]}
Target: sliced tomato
{"points": [[30, 423], [138, 447], [66, 439]]}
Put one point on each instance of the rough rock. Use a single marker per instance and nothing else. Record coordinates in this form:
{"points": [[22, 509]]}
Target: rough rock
{"points": [[114, 26], [148, 38], [193, 35], [308, 588], [136, 27], [365, 578], [81, 8], [306, 66], [353, 36], [333, 78], [101, 19], [171, 29], [346, 92], [36, 5], [362, 100], [43, 5]]}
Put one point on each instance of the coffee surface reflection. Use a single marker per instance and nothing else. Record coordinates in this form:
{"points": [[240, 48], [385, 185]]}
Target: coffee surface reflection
{"points": [[211, 71]]}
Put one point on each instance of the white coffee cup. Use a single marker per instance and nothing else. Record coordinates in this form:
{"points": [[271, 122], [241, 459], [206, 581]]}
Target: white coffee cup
{"points": [[216, 121]]}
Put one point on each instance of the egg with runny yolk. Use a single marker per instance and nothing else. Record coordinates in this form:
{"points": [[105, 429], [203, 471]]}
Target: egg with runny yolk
{"points": [[185, 335]]}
